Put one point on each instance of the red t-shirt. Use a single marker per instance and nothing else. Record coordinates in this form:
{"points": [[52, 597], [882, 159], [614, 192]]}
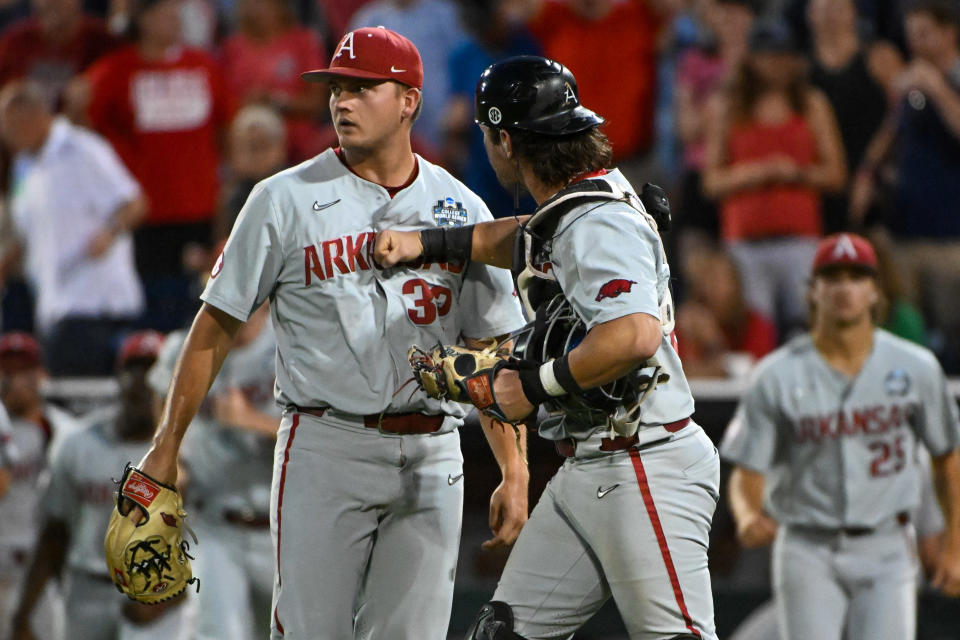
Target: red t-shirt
{"points": [[254, 69], [775, 210], [26, 53], [163, 117], [614, 62], [251, 67]]}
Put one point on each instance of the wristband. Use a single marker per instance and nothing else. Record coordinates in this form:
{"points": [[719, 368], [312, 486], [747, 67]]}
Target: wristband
{"points": [[548, 380], [532, 387], [561, 369], [446, 243]]}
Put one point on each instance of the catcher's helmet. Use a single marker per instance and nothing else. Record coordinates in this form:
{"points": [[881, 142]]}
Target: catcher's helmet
{"points": [[533, 94]]}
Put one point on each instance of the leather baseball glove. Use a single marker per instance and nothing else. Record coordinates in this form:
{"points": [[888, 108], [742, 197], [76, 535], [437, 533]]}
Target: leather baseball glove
{"points": [[148, 561], [462, 375]]}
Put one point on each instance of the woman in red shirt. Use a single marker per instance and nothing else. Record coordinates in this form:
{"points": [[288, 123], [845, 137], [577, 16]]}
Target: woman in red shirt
{"points": [[773, 148]]}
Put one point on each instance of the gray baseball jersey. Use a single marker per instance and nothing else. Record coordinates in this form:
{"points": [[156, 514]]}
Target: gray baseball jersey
{"points": [[632, 524], [305, 238], [610, 263], [839, 456], [836, 451]]}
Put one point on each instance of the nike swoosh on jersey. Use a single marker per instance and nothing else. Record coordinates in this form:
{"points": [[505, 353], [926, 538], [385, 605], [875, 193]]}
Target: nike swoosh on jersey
{"points": [[320, 207], [452, 480], [602, 492]]}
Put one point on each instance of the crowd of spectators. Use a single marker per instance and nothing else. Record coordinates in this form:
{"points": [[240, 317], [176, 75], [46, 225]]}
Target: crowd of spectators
{"points": [[133, 130]]}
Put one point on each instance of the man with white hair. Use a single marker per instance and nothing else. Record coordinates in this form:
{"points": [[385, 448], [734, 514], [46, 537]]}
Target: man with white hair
{"points": [[72, 213]]}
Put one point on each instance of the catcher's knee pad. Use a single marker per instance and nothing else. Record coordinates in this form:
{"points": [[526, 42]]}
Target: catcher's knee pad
{"points": [[494, 622]]}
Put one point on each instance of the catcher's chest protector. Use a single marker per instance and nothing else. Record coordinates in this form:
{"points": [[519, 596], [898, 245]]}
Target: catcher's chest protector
{"points": [[532, 270]]}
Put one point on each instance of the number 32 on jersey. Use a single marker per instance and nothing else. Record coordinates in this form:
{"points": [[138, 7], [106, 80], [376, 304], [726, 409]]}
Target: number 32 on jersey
{"points": [[426, 302]]}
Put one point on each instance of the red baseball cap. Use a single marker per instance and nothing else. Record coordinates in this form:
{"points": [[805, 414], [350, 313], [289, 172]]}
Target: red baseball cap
{"points": [[376, 53], [18, 351], [143, 345], [845, 250]]}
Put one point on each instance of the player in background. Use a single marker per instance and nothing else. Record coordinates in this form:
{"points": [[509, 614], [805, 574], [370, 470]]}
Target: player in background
{"points": [[824, 447], [76, 507], [36, 429], [628, 515], [367, 487], [228, 455], [928, 522]]}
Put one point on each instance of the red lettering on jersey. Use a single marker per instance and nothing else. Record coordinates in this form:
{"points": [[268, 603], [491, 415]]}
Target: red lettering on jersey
{"points": [[844, 426], [371, 239], [895, 419], [311, 264], [354, 255], [454, 266], [332, 250], [824, 427]]}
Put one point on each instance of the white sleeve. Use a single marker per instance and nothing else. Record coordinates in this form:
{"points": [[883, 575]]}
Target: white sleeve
{"points": [[750, 439], [487, 305], [607, 264], [116, 185], [246, 272], [939, 426]]}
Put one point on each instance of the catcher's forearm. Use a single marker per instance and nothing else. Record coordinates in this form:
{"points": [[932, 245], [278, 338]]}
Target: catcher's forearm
{"points": [[613, 349], [47, 562], [493, 241], [207, 344], [946, 475], [490, 242]]}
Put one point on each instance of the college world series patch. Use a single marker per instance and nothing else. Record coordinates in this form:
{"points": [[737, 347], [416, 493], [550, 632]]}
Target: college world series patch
{"points": [[449, 213]]}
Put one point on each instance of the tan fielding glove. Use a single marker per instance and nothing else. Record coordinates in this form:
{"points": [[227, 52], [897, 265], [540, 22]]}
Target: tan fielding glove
{"points": [[148, 561]]}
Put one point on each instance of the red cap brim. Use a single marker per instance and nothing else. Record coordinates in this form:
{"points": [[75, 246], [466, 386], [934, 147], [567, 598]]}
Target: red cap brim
{"points": [[324, 75]]}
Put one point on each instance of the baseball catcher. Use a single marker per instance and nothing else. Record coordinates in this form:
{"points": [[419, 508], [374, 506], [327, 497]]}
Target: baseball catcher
{"points": [[148, 559]]}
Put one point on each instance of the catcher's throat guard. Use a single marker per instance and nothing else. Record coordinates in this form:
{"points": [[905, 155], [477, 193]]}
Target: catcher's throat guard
{"points": [[148, 561]]}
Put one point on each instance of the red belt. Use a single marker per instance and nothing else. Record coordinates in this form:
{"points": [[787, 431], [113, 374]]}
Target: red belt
{"points": [[399, 423], [568, 446]]}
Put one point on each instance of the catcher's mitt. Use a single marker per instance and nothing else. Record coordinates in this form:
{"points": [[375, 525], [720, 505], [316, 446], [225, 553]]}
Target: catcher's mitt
{"points": [[462, 375], [148, 561]]}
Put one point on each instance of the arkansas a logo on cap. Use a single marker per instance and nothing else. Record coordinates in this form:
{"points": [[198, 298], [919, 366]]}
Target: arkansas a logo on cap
{"points": [[845, 248], [614, 288]]}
